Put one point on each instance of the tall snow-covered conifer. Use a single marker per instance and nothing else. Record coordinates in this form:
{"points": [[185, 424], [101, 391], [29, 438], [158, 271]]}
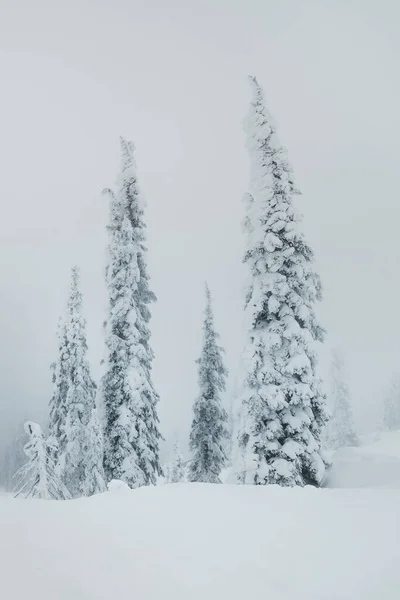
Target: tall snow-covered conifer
{"points": [[209, 426], [131, 428], [74, 424], [340, 430], [284, 409]]}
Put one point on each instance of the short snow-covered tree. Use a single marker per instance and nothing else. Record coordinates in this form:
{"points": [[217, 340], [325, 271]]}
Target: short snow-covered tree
{"points": [[74, 426], [391, 407], [38, 477], [210, 420], [131, 428], [284, 408], [175, 470], [340, 430]]}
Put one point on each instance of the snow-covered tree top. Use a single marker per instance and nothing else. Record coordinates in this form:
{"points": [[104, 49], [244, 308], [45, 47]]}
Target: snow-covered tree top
{"points": [[127, 155], [258, 100], [262, 129]]}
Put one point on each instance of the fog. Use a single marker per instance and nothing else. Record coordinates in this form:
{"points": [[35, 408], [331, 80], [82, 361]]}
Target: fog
{"points": [[171, 76]]}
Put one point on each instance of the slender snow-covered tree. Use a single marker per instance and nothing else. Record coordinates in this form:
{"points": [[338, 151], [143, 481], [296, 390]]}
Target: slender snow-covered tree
{"points": [[74, 426], [284, 408], [175, 469], [58, 406], [340, 430], [131, 428], [391, 407], [82, 459], [210, 420], [38, 477]]}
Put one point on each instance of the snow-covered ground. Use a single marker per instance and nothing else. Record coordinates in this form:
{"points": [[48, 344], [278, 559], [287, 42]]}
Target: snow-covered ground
{"points": [[198, 541], [374, 464]]}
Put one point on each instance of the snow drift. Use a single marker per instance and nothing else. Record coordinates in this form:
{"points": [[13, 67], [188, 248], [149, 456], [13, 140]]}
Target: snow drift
{"points": [[374, 464], [203, 541]]}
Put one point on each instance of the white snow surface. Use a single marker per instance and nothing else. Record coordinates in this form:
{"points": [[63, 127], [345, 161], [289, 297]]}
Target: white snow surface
{"points": [[200, 541], [373, 464]]}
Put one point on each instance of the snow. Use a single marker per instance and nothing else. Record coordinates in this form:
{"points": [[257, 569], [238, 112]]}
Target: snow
{"points": [[201, 541], [117, 485], [217, 542], [373, 465]]}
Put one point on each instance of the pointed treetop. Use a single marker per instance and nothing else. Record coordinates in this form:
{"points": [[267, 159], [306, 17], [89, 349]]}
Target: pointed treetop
{"points": [[259, 101], [262, 127], [75, 276], [208, 312], [256, 87], [257, 91], [75, 296], [127, 150]]}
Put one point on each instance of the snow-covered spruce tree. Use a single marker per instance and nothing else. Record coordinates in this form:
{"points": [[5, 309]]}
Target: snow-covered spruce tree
{"points": [[76, 431], [340, 430], [284, 409], [38, 477], [210, 420], [391, 407], [131, 428], [82, 457], [175, 470], [58, 406]]}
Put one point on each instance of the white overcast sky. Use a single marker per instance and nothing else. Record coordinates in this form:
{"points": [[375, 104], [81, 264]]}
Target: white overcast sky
{"points": [[171, 76]]}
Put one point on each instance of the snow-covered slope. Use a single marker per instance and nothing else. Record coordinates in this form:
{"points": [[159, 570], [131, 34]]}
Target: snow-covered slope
{"points": [[199, 541], [376, 463]]}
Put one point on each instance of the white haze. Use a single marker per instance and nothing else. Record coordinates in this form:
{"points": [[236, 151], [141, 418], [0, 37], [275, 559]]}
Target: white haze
{"points": [[172, 77]]}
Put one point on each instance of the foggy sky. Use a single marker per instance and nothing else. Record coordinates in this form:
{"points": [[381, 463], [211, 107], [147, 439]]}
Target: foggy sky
{"points": [[171, 76]]}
